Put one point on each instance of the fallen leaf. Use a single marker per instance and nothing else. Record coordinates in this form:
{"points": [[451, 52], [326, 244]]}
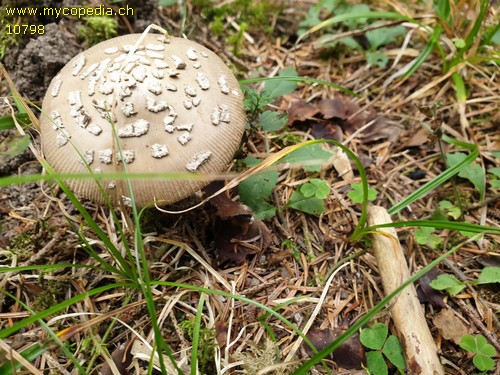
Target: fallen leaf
{"points": [[298, 109], [450, 326], [237, 233], [417, 139], [349, 355], [327, 130], [329, 118], [221, 330]]}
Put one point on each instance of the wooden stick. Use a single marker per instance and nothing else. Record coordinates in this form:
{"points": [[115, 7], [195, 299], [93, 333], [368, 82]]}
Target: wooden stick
{"points": [[407, 314]]}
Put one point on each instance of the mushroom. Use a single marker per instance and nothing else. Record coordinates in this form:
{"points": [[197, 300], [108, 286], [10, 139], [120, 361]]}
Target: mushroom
{"points": [[163, 104]]}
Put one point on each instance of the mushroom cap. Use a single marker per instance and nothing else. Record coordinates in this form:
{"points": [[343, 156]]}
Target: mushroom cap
{"points": [[171, 105]]}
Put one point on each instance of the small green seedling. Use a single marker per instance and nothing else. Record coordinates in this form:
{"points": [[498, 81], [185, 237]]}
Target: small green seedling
{"points": [[449, 209], [425, 236], [356, 194], [13, 146], [255, 102], [375, 338], [495, 178], [449, 283], [310, 197], [483, 351]]}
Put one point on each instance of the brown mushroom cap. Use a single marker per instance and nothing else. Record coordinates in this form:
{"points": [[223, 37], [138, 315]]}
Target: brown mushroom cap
{"points": [[174, 105]]}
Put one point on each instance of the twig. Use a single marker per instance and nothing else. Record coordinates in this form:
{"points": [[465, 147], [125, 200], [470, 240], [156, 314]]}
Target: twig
{"points": [[406, 312]]}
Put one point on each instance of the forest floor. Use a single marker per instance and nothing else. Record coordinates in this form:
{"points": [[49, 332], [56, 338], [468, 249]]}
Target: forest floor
{"points": [[285, 256]]}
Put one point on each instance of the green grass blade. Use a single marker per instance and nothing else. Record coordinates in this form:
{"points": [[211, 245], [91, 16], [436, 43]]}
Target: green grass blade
{"points": [[146, 286], [46, 267], [441, 224], [443, 10], [490, 34], [429, 47], [196, 335], [6, 122], [478, 23], [239, 298], [434, 183], [459, 88], [24, 179], [30, 354]]}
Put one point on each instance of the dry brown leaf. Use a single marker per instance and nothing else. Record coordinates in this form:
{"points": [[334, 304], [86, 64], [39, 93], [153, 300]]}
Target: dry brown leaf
{"points": [[349, 355], [450, 326], [238, 234]]}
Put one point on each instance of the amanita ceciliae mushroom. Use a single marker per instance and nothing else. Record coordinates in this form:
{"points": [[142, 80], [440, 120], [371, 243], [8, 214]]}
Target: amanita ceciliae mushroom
{"points": [[169, 105]]}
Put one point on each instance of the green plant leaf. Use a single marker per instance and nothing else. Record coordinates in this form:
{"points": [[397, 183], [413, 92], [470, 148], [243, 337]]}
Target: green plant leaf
{"points": [[356, 194], [376, 363], [277, 88], [472, 172], [489, 275], [495, 180], [425, 236], [482, 349], [449, 283], [272, 120], [376, 58], [494, 171], [264, 210], [315, 187], [7, 122], [459, 42], [13, 147], [384, 35], [310, 205], [350, 9], [394, 352], [311, 157], [483, 363], [374, 336], [495, 36], [450, 209], [256, 190], [255, 101], [443, 10], [468, 343]]}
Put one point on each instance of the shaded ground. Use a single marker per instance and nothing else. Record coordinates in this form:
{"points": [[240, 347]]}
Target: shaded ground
{"points": [[390, 127]]}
